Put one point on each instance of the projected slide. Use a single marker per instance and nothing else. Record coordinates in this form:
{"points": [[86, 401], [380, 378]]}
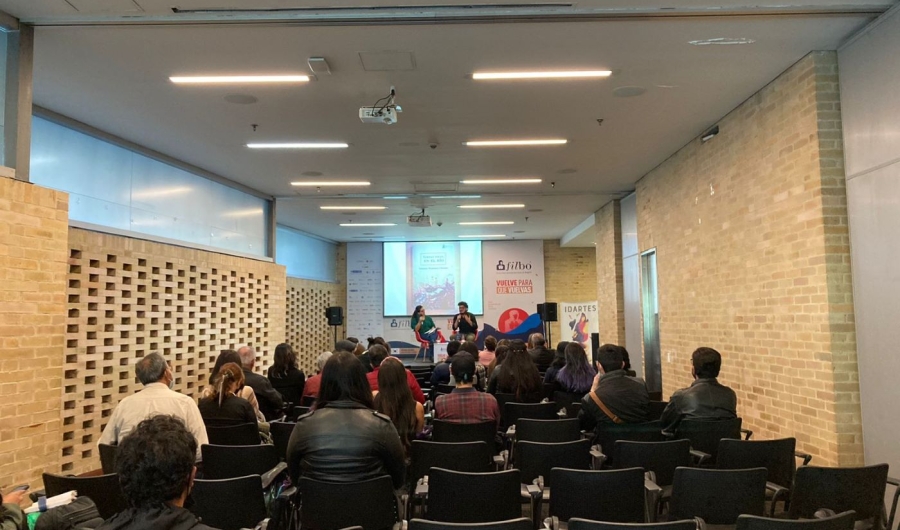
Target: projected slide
{"points": [[436, 275]]}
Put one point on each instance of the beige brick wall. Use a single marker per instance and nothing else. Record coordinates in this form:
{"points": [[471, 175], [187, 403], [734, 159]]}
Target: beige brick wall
{"points": [[610, 297], [751, 236], [307, 328], [33, 249], [569, 276]]}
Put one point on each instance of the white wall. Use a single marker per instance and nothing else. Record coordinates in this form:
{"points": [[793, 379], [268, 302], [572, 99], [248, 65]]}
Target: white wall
{"points": [[631, 283], [304, 256]]}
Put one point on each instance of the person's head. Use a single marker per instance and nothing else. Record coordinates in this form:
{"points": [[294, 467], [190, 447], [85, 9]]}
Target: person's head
{"points": [[248, 356], [225, 357], [626, 358], [285, 358], [706, 363], [377, 354], [470, 348], [501, 352], [503, 342], [463, 307], [536, 340], [377, 340], [155, 463], [453, 347], [153, 368], [519, 371], [470, 337], [577, 375], [323, 358], [344, 378], [559, 359], [395, 398], [490, 343], [345, 345], [610, 357], [228, 381], [419, 311], [463, 369], [576, 358]]}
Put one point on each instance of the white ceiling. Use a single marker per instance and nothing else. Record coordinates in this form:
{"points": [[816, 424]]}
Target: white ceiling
{"points": [[115, 78]]}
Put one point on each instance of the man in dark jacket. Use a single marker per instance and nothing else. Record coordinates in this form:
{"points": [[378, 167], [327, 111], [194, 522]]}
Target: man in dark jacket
{"points": [[271, 404], [155, 464], [540, 354], [614, 397], [706, 398]]}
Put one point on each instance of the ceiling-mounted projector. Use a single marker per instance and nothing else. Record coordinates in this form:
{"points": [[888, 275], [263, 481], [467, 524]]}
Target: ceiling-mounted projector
{"points": [[419, 219], [381, 113]]}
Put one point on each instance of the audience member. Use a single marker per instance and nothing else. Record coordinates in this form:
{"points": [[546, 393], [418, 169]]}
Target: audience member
{"points": [[465, 404], [286, 378], [343, 439], [499, 355], [224, 405], [155, 465], [559, 360], [614, 397], [378, 354], [231, 356], [311, 388], [157, 397], [706, 398], [486, 356], [540, 354], [394, 399], [270, 401], [11, 515], [441, 373], [517, 375], [480, 381], [577, 375]]}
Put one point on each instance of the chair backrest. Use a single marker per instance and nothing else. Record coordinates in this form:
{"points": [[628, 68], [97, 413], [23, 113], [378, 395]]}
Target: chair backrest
{"points": [[108, 458], [232, 461], [706, 435], [860, 489], [290, 392], [104, 490], [548, 431], [472, 457], [656, 409], [584, 524], [775, 455], [841, 521], [239, 434], [522, 523], [512, 411], [662, 458], [457, 497], [607, 434], [326, 505], [572, 409], [444, 389], [447, 431], [718, 496], [229, 504], [535, 459], [616, 495], [307, 401], [281, 435], [295, 412], [565, 399]]}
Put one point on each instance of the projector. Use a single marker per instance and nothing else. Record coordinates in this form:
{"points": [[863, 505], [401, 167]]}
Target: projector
{"points": [[387, 115], [419, 220]]}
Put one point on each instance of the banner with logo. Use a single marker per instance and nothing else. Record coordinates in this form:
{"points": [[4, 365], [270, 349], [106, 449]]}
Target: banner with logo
{"points": [[578, 320], [513, 277]]}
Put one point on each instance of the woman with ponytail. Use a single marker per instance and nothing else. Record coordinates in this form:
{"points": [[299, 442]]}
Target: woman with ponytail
{"points": [[466, 404], [223, 403]]}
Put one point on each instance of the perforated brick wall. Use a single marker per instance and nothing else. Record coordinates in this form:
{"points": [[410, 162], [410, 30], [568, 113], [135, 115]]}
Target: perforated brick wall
{"points": [[307, 328]]}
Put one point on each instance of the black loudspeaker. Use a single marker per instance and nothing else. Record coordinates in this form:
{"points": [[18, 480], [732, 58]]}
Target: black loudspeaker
{"points": [[335, 316], [548, 311], [540, 312], [595, 345]]}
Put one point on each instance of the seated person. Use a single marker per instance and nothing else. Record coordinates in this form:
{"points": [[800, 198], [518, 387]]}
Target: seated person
{"points": [[231, 356], [224, 405], [614, 397], [344, 439], [425, 326], [378, 354], [155, 464], [577, 375], [11, 516], [271, 403], [441, 373], [284, 374], [517, 375], [540, 353], [311, 388], [480, 381], [706, 398], [465, 404], [486, 356], [395, 400], [559, 360]]}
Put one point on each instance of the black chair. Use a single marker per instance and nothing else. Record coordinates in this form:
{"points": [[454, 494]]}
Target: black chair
{"points": [[236, 434], [456, 497], [446, 431], [548, 389], [840, 489], [281, 435], [104, 490], [229, 504], [522, 523], [232, 461], [290, 393], [615, 496], [444, 389], [548, 431], [572, 409], [307, 401], [470, 457], [607, 434], [511, 412], [778, 456], [536, 459], [324, 505], [718, 496], [841, 521], [687, 524], [659, 458], [108, 458], [564, 400], [656, 409], [295, 412], [706, 435]]}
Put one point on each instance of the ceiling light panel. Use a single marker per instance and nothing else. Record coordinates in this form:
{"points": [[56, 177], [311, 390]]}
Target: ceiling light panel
{"points": [[484, 223], [368, 224], [323, 183], [570, 74], [501, 181], [349, 208], [483, 235], [481, 206], [300, 145], [515, 143], [237, 79]]}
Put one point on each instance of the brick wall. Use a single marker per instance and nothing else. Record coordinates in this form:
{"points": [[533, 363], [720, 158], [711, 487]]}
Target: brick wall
{"points": [[569, 276], [610, 294], [751, 236], [33, 250], [307, 328]]}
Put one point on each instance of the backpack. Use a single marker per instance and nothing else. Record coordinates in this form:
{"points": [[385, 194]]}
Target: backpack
{"points": [[80, 513]]}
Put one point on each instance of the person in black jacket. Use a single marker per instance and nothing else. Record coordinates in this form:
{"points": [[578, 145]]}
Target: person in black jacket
{"points": [[464, 323], [626, 399], [441, 373], [223, 404], [343, 439], [271, 403], [284, 375], [155, 465], [540, 354], [706, 398]]}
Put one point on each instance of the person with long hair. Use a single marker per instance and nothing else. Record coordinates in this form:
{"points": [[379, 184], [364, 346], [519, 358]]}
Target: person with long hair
{"points": [[395, 400], [517, 375], [423, 323], [344, 439], [578, 374], [499, 355], [231, 356], [224, 404], [559, 360], [284, 375]]}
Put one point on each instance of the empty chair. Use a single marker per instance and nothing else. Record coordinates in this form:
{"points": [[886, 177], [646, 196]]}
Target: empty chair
{"points": [[548, 431], [536, 459], [656, 409], [841, 521], [522, 523], [108, 458], [607, 434], [616, 495], [229, 504], [457, 497], [445, 431], [104, 490], [718, 496], [659, 458], [840, 489], [231, 461], [281, 434], [778, 456], [235, 434], [511, 412], [706, 435], [584, 524], [370, 504]]}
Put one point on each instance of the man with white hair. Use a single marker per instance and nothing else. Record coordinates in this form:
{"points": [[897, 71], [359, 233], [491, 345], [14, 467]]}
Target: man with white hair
{"points": [[271, 404], [313, 383]]}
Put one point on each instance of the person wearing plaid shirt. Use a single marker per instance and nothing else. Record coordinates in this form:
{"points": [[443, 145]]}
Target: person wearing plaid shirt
{"points": [[466, 404]]}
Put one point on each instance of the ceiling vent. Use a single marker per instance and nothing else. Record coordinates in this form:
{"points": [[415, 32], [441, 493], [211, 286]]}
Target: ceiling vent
{"points": [[435, 187]]}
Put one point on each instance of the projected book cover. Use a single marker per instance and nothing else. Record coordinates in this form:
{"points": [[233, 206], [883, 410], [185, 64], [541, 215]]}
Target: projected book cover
{"points": [[434, 277]]}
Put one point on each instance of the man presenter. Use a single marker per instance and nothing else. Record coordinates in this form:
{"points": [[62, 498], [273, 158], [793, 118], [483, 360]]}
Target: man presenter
{"points": [[464, 323]]}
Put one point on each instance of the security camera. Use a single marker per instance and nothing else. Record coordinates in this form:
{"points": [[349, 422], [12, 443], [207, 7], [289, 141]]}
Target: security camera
{"points": [[433, 145], [440, 223]]}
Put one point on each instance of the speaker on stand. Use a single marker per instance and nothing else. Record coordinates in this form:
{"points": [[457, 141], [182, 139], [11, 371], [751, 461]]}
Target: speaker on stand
{"points": [[335, 316], [549, 312]]}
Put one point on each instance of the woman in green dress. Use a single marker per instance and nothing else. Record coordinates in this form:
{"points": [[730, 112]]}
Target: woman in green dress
{"points": [[424, 325]]}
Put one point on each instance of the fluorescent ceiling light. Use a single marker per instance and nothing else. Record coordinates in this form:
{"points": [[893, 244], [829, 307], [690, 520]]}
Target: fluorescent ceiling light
{"points": [[237, 79], [501, 181], [491, 206], [487, 235], [512, 143], [476, 223], [395, 197], [323, 183], [308, 145], [348, 208], [574, 74], [454, 196], [368, 224]]}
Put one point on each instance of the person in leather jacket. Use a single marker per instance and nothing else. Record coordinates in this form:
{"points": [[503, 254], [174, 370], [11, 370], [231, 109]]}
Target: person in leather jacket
{"points": [[344, 439], [705, 399]]}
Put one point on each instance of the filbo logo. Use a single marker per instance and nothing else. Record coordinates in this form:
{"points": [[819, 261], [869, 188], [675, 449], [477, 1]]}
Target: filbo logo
{"points": [[513, 266]]}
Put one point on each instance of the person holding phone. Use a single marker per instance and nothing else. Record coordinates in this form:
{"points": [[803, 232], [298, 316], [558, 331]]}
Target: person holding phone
{"points": [[11, 516], [464, 322]]}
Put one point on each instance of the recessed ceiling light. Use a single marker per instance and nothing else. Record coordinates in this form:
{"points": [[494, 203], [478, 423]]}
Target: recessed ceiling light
{"points": [[491, 206], [368, 224], [514, 143], [237, 79], [485, 235], [476, 223], [323, 183], [301, 145], [572, 74], [395, 197], [501, 181], [347, 208], [241, 99], [454, 196], [722, 41]]}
